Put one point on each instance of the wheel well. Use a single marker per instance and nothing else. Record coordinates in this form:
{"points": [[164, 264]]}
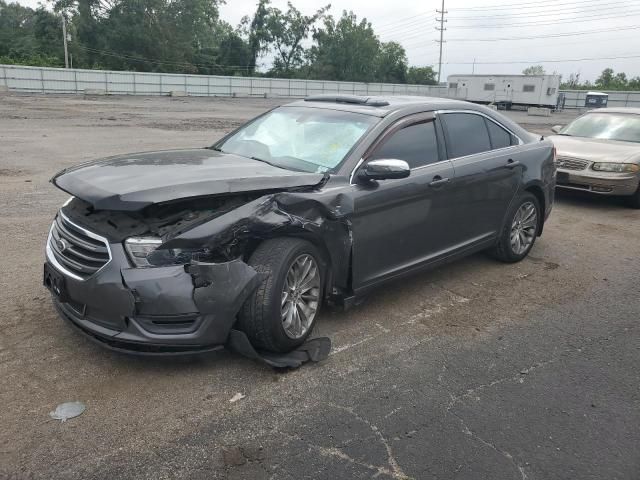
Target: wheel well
{"points": [[302, 235], [537, 191]]}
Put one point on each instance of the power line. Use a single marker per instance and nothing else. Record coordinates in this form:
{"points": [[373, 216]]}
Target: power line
{"points": [[412, 24], [551, 35], [545, 23], [419, 30], [621, 57], [553, 12], [161, 62], [525, 5], [399, 20]]}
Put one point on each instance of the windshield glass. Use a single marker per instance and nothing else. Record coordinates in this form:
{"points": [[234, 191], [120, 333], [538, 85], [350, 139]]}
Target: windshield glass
{"points": [[299, 138], [610, 126]]}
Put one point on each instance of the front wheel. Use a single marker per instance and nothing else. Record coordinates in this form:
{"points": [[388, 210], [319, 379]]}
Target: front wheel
{"points": [[634, 200], [520, 230], [281, 313]]}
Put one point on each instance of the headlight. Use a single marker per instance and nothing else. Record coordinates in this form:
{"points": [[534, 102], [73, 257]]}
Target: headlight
{"points": [[143, 253], [616, 167]]}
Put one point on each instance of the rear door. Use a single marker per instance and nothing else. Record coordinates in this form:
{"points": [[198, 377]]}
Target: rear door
{"points": [[487, 173], [399, 224]]}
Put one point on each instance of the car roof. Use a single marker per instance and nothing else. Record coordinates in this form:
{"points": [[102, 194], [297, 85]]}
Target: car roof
{"points": [[381, 106], [633, 110]]}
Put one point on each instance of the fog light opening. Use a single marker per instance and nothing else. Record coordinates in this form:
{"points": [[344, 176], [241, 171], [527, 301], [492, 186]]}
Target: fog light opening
{"points": [[601, 189]]}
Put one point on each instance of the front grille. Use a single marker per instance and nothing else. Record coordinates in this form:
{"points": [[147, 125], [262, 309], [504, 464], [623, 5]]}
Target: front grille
{"points": [[569, 163], [77, 251]]}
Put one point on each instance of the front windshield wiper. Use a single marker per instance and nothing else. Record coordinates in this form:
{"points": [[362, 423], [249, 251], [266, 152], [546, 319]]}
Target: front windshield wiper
{"points": [[216, 149], [268, 163]]}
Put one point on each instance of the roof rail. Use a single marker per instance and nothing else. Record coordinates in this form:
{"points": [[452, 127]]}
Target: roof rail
{"points": [[352, 99]]}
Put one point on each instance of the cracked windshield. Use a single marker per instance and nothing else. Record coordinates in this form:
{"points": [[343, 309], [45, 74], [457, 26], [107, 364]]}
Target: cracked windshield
{"points": [[306, 139]]}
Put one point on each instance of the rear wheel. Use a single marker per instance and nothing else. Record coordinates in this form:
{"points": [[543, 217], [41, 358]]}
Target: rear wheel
{"points": [[281, 313], [520, 231]]}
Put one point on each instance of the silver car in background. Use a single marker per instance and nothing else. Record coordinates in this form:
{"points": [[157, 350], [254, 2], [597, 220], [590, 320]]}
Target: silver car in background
{"points": [[599, 152]]}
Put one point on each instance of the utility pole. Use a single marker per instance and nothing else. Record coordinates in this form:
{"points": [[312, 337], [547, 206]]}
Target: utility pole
{"points": [[441, 41], [64, 38]]}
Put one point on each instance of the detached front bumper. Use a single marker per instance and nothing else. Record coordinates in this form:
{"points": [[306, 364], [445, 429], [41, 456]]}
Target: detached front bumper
{"points": [[603, 183], [175, 309]]}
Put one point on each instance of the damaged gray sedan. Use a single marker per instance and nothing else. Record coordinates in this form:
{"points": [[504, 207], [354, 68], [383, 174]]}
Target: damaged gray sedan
{"points": [[315, 202]]}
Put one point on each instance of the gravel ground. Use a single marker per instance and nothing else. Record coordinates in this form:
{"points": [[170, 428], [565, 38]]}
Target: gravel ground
{"points": [[473, 370]]}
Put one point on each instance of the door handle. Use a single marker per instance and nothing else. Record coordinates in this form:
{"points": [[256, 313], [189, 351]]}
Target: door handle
{"points": [[438, 180], [512, 163]]}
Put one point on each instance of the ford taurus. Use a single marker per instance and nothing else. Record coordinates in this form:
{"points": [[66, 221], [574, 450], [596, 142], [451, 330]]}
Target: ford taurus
{"points": [[314, 202]]}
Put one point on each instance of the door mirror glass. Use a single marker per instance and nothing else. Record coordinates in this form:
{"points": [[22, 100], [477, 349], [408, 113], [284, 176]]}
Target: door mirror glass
{"points": [[556, 128], [384, 169]]}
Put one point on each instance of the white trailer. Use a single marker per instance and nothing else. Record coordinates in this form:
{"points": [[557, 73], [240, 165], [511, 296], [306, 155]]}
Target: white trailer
{"points": [[506, 90]]}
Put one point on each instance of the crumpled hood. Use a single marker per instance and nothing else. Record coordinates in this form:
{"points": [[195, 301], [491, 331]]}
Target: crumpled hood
{"points": [[132, 182], [596, 150]]}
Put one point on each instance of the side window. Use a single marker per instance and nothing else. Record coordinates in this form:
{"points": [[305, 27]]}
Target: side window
{"points": [[416, 144], [500, 138], [467, 134]]}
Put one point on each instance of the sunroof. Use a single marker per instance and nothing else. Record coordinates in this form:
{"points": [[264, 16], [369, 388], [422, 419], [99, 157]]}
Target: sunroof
{"points": [[351, 99]]}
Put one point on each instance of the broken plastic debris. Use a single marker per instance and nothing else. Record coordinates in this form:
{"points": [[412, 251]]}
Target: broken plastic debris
{"points": [[314, 350], [236, 397], [68, 410]]}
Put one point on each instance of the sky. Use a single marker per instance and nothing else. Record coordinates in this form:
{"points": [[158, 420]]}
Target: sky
{"points": [[490, 32]]}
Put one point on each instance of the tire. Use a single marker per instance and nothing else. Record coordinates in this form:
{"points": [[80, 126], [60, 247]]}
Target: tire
{"points": [[634, 200], [264, 317], [504, 250]]}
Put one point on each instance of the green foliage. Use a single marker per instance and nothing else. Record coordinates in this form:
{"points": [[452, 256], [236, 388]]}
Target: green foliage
{"points": [[608, 80], [534, 70], [422, 76], [189, 36], [391, 63], [345, 50]]}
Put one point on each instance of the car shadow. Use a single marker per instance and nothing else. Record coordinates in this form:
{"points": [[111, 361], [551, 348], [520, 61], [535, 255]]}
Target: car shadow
{"points": [[577, 198]]}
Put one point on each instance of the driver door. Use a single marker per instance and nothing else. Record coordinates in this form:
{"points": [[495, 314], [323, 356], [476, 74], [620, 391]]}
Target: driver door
{"points": [[400, 224]]}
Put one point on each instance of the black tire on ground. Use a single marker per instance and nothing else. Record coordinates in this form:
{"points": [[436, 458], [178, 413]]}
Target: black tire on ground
{"points": [[503, 250], [260, 318], [634, 200]]}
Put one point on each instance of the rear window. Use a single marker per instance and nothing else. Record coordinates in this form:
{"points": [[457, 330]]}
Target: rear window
{"points": [[529, 88], [500, 138], [489, 86]]}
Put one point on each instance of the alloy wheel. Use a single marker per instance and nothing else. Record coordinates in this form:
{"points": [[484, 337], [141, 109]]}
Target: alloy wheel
{"points": [[300, 296], [524, 228]]}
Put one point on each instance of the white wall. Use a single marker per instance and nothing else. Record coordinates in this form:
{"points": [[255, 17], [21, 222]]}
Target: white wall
{"points": [[18, 78]]}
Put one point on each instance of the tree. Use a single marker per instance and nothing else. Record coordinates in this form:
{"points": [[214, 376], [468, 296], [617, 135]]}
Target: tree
{"points": [[391, 63], [286, 31], [344, 50], [422, 76], [257, 32], [534, 70], [30, 37], [605, 79]]}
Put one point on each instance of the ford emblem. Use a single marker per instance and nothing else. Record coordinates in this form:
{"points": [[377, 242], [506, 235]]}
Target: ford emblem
{"points": [[62, 245]]}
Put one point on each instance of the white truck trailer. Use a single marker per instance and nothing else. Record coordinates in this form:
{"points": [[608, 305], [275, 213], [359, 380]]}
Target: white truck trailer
{"points": [[506, 90]]}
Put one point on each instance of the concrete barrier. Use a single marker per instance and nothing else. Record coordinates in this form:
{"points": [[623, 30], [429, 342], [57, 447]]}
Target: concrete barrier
{"points": [[539, 112]]}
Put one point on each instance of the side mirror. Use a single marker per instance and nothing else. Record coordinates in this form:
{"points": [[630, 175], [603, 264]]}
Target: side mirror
{"points": [[384, 169], [556, 128]]}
